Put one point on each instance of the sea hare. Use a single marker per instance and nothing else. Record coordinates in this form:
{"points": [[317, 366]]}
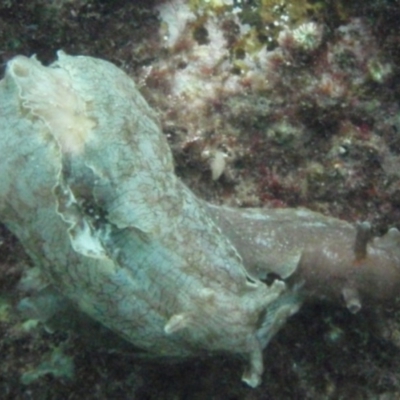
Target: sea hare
{"points": [[88, 187]]}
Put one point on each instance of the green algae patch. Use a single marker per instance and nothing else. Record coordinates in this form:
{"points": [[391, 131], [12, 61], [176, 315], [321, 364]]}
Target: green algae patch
{"points": [[55, 363]]}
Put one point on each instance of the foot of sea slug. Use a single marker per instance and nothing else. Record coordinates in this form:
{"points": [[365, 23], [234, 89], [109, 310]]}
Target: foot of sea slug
{"points": [[252, 374]]}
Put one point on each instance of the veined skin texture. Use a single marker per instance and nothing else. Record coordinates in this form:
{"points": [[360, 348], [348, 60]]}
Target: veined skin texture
{"points": [[88, 186]]}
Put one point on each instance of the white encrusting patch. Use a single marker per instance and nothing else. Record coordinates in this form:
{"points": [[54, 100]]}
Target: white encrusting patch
{"points": [[49, 95]]}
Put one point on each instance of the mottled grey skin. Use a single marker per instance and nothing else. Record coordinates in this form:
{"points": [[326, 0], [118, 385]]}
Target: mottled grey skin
{"points": [[88, 186]]}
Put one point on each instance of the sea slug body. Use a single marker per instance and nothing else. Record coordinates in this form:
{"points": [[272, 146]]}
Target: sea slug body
{"points": [[89, 189], [88, 186]]}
